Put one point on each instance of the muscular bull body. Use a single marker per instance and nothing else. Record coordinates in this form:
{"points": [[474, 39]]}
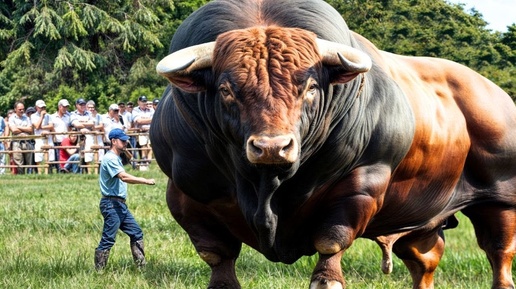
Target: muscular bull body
{"points": [[284, 130]]}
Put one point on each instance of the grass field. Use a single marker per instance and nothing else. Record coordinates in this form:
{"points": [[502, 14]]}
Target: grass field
{"points": [[50, 226]]}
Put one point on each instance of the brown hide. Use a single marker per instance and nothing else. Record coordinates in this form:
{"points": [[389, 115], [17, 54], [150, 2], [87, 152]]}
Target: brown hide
{"points": [[460, 156]]}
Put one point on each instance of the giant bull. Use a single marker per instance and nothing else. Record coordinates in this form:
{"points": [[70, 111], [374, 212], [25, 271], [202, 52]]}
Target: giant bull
{"points": [[284, 130]]}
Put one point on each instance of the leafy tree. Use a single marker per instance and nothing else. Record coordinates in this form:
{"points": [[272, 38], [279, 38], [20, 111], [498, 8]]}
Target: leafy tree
{"points": [[97, 49], [435, 28]]}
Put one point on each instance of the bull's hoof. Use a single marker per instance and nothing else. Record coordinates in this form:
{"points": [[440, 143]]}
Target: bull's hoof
{"points": [[387, 266], [224, 285], [326, 284]]}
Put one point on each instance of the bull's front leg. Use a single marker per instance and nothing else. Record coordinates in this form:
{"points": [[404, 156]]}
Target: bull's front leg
{"points": [[223, 275], [213, 242], [336, 235], [351, 204]]}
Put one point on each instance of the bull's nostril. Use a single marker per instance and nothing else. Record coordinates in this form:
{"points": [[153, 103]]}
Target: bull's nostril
{"points": [[289, 145], [285, 149], [255, 147]]}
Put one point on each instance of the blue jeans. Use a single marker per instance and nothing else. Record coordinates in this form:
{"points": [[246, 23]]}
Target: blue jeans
{"points": [[117, 216], [73, 167]]}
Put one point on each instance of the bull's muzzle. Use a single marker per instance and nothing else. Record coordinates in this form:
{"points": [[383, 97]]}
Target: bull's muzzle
{"points": [[268, 150]]}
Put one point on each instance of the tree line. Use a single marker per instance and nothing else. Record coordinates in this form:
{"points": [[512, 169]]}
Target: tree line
{"points": [[107, 51]]}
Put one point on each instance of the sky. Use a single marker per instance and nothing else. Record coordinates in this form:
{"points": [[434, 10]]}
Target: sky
{"points": [[496, 12]]}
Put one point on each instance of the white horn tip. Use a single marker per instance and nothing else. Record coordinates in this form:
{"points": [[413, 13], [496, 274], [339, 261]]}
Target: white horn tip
{"points": [[170, 64], [363, 66]]}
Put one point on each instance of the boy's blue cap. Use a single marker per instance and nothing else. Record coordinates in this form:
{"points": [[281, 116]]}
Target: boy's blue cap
{"points": [[118, 134]]}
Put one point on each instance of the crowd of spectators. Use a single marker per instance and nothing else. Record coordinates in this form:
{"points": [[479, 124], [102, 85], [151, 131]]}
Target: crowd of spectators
{"points": [[71, 134]]}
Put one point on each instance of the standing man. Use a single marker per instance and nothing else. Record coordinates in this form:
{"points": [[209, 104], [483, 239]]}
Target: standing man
{"points": [[113, 185], [20, 126], [142, 118], [42, 124], [99, 126], [112, 120], [155, 103], [130, 106], [83, 121], [61, 121], [127, 119]]}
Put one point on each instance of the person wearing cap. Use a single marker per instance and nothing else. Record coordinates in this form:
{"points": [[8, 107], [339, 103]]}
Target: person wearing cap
{"points": [[142, 118], [112, 119], [99, 127], [113, 180], [42, 124], [155, 103], [129, 106], [29, 111], [82, 120], [61, 122], [127, 118], [20, 126]]}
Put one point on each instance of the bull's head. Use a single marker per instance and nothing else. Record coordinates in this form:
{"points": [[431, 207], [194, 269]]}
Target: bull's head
{"points": [[268, 75]]}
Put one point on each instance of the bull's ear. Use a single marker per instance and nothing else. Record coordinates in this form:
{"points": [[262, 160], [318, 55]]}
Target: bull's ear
{"points": [[342, 73], [187, 83], [181, 66], [346, 62]]}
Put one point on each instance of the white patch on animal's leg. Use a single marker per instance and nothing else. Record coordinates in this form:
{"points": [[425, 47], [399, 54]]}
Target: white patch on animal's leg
{"points": [[324, 284]]}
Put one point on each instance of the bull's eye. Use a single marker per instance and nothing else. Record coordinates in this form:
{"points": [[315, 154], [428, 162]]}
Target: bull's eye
{"points": [[311, 91], [226, 94]]}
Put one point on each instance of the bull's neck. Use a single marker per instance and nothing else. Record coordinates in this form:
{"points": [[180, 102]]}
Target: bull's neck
{"points": [[256, 200]]}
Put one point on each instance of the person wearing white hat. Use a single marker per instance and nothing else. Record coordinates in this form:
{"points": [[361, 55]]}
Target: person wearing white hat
{"points": [[112, 119], [99, 127], [42, 124], [142, 118], [61, 121], [82, 120]]}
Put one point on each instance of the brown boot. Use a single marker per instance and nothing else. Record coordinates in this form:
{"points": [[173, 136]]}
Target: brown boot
{"points": [[101, 258], [138, 251]]}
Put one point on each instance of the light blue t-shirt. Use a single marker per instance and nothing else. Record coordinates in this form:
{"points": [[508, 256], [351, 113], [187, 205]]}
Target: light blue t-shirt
{"points": [[110, 185]]}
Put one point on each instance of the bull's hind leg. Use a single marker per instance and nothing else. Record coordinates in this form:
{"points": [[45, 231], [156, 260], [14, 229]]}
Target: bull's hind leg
{"points": [[421, 253], [495, 228], [386, 243]]}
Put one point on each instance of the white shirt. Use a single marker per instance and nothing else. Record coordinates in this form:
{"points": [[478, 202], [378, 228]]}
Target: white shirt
{"points": [[61, 124], [35, 117], [146, 113], [85, 117], [111, 123]]}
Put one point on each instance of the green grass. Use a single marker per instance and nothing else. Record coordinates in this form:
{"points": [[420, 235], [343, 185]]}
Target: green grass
{"points": [[50, 226]]}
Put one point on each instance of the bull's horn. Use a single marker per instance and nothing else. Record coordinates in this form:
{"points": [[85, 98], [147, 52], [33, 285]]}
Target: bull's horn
{"points": [[352, 59], [187, 59]]}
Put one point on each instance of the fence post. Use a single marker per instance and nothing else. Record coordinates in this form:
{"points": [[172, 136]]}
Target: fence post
{"points": [[45, 148]]}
